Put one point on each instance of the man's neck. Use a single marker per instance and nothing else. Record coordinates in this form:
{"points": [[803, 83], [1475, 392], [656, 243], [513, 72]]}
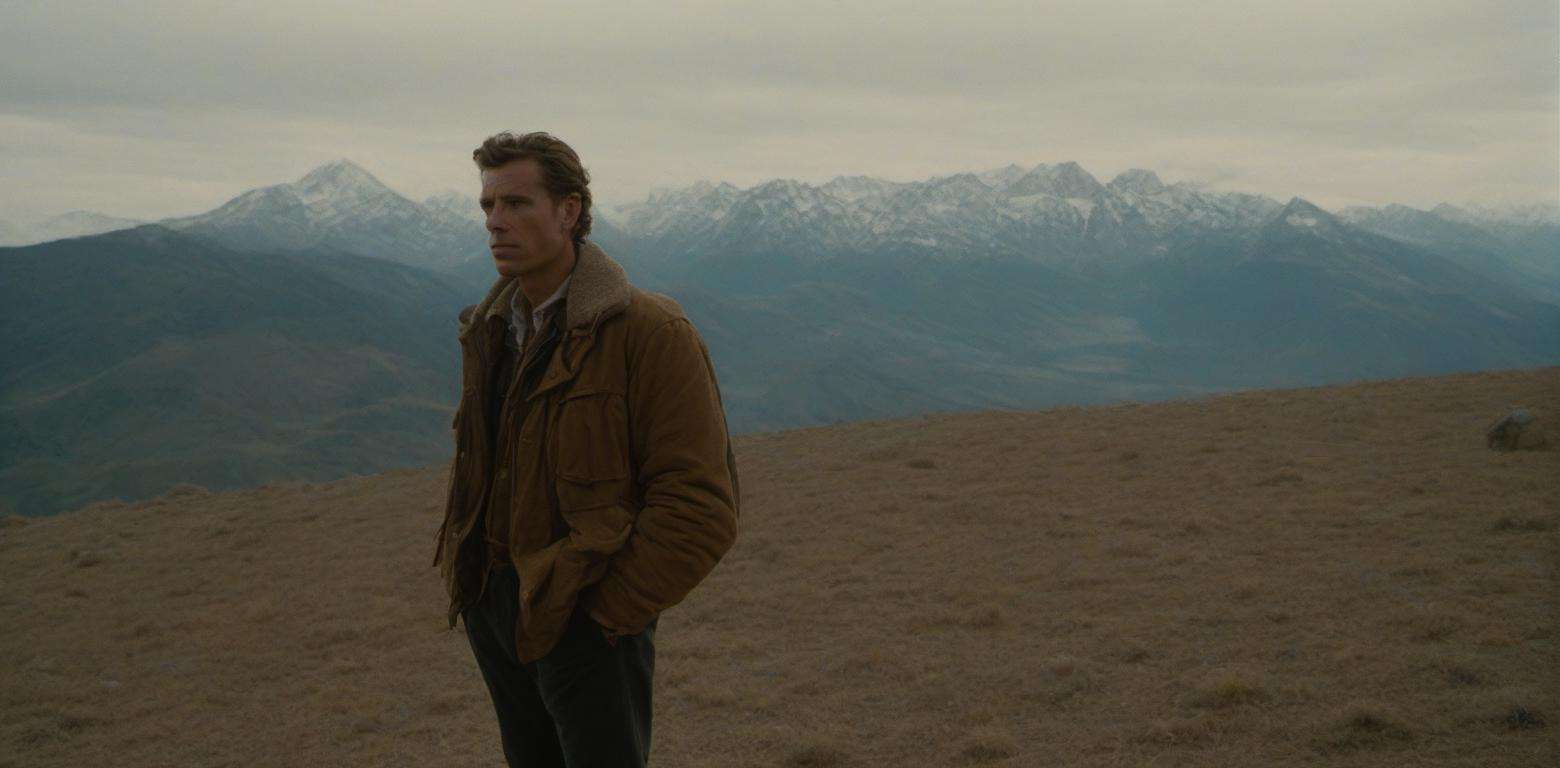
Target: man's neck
{"points": [[542, 284]]}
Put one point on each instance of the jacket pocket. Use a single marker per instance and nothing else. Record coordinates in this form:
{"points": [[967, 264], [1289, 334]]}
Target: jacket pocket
{"points": [[591, 465], [592, 438]]}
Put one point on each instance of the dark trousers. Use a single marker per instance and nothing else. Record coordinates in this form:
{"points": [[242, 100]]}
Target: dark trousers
{"points": [[586, 703]]}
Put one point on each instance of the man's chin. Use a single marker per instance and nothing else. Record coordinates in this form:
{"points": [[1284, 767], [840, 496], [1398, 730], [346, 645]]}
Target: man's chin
{"points": [[507, 267]]}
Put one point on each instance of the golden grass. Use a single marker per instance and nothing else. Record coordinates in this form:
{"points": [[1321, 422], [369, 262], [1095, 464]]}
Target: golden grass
{"points": [[1337, 575]]}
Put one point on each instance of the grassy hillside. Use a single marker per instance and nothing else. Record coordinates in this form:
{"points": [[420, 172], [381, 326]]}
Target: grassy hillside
{"points": [[140, 359], [1326, 576]]}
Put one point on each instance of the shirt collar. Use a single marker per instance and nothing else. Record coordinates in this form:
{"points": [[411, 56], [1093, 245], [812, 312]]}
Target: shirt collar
{"points": [[538, 315]]}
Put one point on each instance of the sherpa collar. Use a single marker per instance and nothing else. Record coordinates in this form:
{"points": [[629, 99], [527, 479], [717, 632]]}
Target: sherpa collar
{"points": [[598, 289]]}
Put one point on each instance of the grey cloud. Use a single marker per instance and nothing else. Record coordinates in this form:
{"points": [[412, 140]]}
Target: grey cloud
{"points": [[1439, 100]]}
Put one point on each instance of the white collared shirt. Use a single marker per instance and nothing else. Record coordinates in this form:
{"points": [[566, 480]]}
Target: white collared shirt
{"points": [[539, 315]]}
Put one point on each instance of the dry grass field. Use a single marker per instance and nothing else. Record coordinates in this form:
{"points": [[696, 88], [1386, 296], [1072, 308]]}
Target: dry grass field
{"points": [[1326, 576]]}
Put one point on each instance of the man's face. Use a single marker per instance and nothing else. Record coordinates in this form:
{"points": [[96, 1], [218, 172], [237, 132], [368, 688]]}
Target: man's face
{"points": [[528, 231]]}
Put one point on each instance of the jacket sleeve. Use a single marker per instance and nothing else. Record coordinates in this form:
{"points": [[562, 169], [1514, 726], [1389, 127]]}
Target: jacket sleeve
{"points": [[684, 462]]}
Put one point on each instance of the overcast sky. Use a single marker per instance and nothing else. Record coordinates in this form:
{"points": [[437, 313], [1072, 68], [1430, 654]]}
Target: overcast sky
{"points": [[149, 109]]}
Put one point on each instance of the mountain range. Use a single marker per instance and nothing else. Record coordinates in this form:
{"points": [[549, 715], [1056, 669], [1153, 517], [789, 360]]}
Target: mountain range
{"points": [[859, 298], [340, 206], [1024, 288]]}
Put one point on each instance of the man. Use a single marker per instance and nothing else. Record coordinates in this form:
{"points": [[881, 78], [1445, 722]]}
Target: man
{"points": [[593, 484]]}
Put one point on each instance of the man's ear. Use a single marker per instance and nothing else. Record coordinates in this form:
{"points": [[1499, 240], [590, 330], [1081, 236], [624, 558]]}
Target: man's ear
{"points": [[571, 211]]}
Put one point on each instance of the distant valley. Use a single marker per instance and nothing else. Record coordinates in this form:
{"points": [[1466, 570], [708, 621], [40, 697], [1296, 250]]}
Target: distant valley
{"points": [[306, 330]]}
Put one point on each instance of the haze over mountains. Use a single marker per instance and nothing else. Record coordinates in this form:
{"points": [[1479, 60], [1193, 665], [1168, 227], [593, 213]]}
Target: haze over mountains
{"points": [[69, 224], [859, 298]]}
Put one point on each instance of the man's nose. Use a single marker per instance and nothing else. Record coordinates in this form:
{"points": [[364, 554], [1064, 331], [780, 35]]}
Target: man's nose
{"points": [[492, 222]]}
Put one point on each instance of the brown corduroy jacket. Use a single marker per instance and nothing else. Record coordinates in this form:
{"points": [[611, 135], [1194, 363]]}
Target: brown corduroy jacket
{"points": [[625, 442]]}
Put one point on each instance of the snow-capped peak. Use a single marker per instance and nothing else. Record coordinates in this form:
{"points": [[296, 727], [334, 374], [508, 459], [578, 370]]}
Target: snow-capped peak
{"points": [[457, 204], [1001, 178], [853, 188], [448, 198], [1138, 180], [1304, 214], [1507, 213], [338, 177], [1062, 180]]}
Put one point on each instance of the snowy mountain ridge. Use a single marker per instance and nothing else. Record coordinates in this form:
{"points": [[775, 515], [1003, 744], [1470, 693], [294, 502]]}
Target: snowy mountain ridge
{"points": [[1050, 213], [1058, 214], [341, 206], [1004, 210]]}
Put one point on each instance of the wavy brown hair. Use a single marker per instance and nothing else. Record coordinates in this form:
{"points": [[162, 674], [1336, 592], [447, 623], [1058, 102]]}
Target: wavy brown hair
{"points": [[562, 173]]}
